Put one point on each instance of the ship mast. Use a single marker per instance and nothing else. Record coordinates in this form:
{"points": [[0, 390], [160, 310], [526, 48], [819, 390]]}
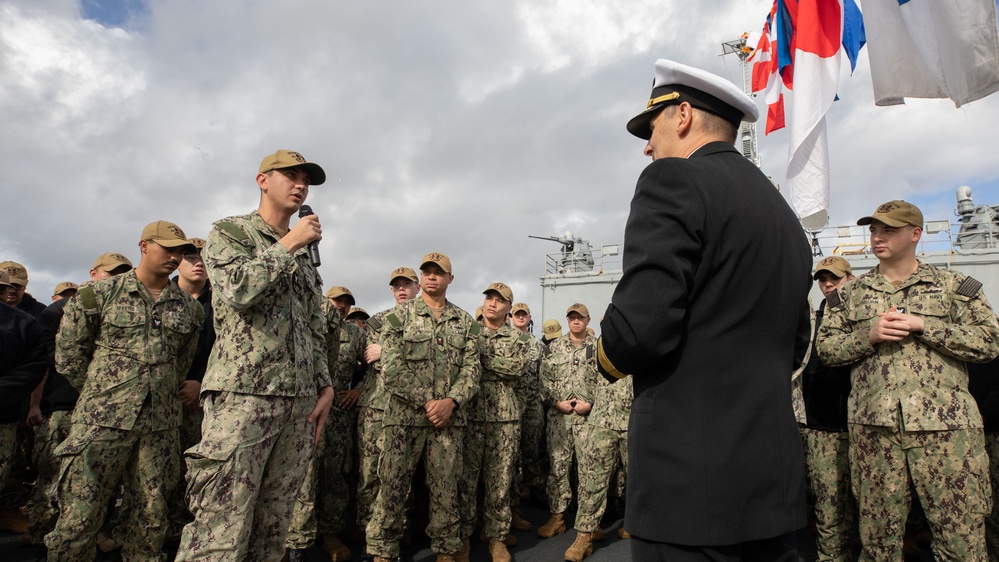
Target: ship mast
{"points": [[747, 130]]}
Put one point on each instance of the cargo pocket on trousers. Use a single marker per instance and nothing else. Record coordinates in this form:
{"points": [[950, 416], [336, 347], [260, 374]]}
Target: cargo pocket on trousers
{"points": [[210, 475], [68, 450], [981, 485]]}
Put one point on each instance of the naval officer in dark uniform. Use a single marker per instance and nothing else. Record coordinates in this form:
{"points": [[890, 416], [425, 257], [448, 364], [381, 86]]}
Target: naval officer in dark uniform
{"points": [[710, 317]]}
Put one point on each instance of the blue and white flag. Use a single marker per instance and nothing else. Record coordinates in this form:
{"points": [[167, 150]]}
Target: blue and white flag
{"points": [[932, 49]]}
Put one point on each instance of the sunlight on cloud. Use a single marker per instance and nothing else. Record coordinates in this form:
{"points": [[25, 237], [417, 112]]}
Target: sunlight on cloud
{"points": [[71, 68]]}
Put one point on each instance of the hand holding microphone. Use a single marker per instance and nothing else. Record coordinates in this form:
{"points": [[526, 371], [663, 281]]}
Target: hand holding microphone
{"points": [[306, 232]]}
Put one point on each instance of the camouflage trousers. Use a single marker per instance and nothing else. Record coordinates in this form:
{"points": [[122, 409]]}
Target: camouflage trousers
{"points": [[606, 451], [532, 440], [190, 435], [992, 521], [403, 446], [490, 459], [949, 472], [242, 478], [828, 466], [8, 444], [369, 449], [41, 509], [93, 460], [321, 503], [566, 441]]}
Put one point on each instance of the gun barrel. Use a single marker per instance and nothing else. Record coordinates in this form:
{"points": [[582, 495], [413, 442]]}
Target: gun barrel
{"points": [[552, 238]]}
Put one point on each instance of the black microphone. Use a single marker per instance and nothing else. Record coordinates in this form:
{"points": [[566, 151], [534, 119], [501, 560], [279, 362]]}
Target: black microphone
{"points": [[305, 211]]}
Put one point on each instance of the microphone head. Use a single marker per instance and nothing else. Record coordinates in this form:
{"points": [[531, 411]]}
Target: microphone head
{"points": [[304, 211]]}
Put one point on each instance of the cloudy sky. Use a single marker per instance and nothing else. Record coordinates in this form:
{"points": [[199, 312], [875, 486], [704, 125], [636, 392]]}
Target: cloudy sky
{"points": [[458, 127]]}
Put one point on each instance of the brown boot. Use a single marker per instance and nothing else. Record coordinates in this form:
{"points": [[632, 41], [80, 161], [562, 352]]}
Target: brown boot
{"points": [[622, 534], [598, 535], [335, 548], [498, 552], [466, 551], [554, 526], [509, 540], [518, 523], [580, 548]]}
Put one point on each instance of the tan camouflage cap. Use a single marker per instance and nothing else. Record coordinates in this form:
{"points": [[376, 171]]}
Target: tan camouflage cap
{"points": [[440, 259], [895, 213], [835, 265], [339, 291], [4, 278], [501, 289], [405, 273], [166, 234], [357, 311], [578, 308], [520, 306], [478, 313], [63, 287], [552, 328], [110, 261], [291, 159], [199, 243], [16, 273]]}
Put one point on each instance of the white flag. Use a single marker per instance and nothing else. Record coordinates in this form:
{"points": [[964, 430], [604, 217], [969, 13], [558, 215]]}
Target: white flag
{"points": [[932, 49]]}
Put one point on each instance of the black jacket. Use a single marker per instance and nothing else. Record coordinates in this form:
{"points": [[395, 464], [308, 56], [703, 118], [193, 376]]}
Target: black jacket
{"points": [[58, 394], [711, 317], [22, 360], [30, 305], [825, 389]]}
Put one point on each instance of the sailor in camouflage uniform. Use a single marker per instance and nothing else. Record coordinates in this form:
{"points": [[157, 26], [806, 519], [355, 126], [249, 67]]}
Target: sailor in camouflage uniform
{"points": [[259, 394], [404, 285], [530, 477], [302, 529], [606, 450], [819, 396], [430, 364], [333, 464], [568, 376], [126, 343], [908, 327], [492, 437], [55, 404]]}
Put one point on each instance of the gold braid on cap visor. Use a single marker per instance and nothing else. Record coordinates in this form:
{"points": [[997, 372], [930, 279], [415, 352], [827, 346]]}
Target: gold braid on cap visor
{"points": [[660, 99]]}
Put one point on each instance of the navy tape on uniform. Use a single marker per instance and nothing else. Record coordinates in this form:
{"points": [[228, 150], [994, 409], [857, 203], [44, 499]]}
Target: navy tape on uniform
{"points": [[969, 287], [393, 320], [833, 300], [375, 324]]}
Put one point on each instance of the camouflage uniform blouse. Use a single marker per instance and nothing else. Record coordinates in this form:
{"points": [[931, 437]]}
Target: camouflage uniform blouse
{"points": [[569, 372], [372, 387], [268, 313], [503, 355], [923, 374], [612, 403], [121, 349], [425, 359]]}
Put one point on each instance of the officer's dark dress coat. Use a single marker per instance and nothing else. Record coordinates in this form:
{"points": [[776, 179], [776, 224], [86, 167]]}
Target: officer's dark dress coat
{"points": [[711, 317]]}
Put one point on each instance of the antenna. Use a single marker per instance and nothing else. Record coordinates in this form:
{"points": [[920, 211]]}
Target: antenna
{"points": [[747, 131]]}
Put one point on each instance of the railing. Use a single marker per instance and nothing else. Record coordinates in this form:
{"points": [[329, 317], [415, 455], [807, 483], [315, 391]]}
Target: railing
{"points": [[938, 236], [587, 262]]}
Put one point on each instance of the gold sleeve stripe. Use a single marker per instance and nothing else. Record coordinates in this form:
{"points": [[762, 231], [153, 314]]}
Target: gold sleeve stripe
{"points": [[605, 363]]}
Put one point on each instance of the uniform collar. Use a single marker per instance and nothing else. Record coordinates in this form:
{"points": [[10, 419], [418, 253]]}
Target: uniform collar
{"points": [[923, 274]]}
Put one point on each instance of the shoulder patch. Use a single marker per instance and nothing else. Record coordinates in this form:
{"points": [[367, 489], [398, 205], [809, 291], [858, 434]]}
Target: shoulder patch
{"points": [[232, 231], [88, 299], [525, 338], [199, 313], [969, 287], [375, 324], [833, 300], [393, 320], [474, 329]]}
